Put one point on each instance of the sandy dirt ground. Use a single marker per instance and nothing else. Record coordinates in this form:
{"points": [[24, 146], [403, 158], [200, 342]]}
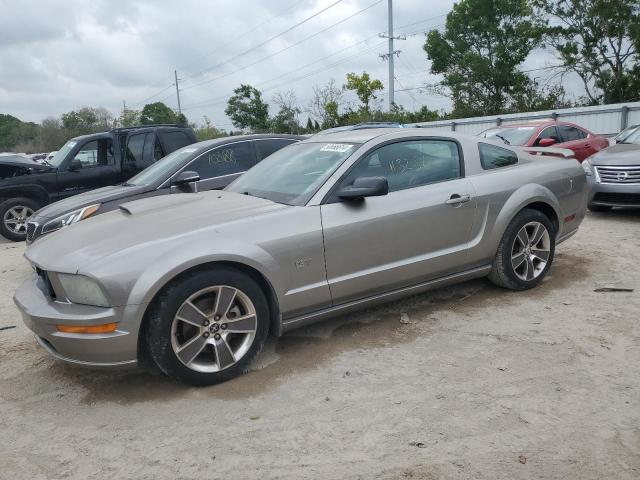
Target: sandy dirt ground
{"points": [[464, 382]]}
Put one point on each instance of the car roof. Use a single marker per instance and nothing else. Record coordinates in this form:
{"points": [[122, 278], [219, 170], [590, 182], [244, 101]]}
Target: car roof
{"points": [[214, 142], [366, 135]]}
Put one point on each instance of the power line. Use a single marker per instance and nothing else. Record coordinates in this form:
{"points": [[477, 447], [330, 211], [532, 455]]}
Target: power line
{"points": [[286, 48], [423, 21], [152, 96], [244, 34], [220, 100], [270, 39]]}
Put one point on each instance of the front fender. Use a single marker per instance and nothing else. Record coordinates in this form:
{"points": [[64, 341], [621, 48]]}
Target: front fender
{"points": [[151, 267]]}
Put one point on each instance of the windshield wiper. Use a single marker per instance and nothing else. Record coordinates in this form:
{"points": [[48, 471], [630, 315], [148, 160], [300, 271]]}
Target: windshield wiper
{"points": [[503, 139]]}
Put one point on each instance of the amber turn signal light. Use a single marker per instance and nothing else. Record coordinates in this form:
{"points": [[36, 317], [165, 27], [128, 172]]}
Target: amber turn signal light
{"points": [[106, 328]]}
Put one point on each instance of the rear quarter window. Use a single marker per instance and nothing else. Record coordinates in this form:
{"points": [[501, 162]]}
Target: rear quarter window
{"points": [[492, 156]]}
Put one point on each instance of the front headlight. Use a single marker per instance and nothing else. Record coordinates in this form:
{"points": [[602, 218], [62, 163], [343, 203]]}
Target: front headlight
{"points": [[69, 218], [83, 290], [586, 166]]}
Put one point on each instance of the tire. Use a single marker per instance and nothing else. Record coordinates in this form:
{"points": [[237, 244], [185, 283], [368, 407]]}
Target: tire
{"points": [[199, 355], [599, 208], [508, 271], [13, 217]]}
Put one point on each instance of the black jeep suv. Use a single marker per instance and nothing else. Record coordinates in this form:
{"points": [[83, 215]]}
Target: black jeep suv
{"points": [[82, 164]]}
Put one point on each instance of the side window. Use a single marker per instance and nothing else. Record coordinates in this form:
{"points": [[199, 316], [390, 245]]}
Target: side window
{"points": [[568, 133], [495, 157], [97, 153], [135, 150], [175, 140], [224, 160], [410, 164], [267, 147], [152, 151], [549, 132]]}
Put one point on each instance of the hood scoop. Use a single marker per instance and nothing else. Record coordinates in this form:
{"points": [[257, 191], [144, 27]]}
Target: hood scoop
{"points": [[158, 203]]}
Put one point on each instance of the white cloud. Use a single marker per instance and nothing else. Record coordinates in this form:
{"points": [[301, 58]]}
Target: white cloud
{"points": [[56, 56]]}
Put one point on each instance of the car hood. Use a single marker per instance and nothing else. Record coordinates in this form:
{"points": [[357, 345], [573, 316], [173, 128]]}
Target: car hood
{"points": [[17, 165], [621, 154], [147, 223], [100, 195]]}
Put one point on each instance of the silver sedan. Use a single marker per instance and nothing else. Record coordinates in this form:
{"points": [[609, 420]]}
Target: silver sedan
{"points": [[334, 223]]}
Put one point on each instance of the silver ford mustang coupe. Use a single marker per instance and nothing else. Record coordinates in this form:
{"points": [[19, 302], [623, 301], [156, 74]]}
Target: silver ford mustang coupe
{"points": [[331, 224]]}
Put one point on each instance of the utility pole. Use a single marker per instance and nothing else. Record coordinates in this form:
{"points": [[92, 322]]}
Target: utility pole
{"points": [[175, 74], [391, 53]]}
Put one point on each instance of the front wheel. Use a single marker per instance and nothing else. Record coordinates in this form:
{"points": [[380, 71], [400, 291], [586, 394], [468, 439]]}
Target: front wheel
{"points": [[208, 326], [525, 252], [14, 214]]}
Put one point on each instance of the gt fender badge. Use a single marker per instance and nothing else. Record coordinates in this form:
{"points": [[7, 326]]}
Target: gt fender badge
{"points": [[303, 263]]}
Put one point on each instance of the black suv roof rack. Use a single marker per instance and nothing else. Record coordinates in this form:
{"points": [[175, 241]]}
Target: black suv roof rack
{"points": [[124, 129]]}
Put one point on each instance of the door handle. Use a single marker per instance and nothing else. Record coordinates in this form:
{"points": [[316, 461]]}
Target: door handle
{"points": [[456, 199]]}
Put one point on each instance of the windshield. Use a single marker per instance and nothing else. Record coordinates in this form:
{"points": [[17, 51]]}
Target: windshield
{"points": [[61, 154], [634, 137], [163, 168], [627, 133], [295, 173], [510, 135]]}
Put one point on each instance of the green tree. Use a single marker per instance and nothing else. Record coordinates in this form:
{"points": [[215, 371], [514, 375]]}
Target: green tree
{"points": [[207, 131], [87, 120], [365, 87], [479, 52], [157, 113], [246, 109], [309, 125], [326, 103], [13, 131], [600, 41], [286, 120], [129, 118]]}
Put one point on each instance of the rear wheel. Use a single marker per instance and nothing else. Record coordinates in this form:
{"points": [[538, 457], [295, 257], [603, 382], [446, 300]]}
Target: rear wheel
{"points": [[599, 208], [14, 214], [207, 327], [525, 252]]}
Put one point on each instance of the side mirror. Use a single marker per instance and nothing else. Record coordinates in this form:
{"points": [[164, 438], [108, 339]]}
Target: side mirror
{"points": [[546, 142], [365, 187], [75, 165], [185, 177]]}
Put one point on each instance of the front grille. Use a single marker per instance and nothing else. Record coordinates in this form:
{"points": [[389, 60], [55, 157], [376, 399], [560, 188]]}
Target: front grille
{"points": [[617, 198], [45, 283], [619, 175], [31, 230]]}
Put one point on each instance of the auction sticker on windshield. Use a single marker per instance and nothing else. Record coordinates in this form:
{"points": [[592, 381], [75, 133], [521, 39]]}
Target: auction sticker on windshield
{"points": [[336, 147]]}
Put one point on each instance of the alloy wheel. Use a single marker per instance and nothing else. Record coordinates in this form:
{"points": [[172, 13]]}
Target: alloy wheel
{"points": [[530, 251], [15, 219], [214, 328]]}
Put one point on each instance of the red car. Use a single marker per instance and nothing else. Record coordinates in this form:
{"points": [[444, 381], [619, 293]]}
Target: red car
{"points": [[545, 133]]}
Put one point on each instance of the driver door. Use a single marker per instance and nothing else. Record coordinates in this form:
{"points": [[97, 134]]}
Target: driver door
{"points": [[419, 231], [92, 166]]}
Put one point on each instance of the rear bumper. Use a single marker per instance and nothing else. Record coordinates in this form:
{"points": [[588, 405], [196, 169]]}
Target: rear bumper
{"points": [[613, 195], [41, 314]]}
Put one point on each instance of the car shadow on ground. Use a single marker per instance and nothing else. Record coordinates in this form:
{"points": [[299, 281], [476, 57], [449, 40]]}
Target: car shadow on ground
{"points": [[313, 347]]}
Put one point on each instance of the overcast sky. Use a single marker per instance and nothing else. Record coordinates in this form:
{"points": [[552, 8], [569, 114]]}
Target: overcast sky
{"points": [[57, 56]]}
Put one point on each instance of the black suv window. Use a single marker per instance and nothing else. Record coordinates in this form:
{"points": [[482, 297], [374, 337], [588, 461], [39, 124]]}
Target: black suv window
{"points": [[96, 153], [152, 150], [135, 149], [224, 160], [410, 164], [175, 140], [495, 157], [268, 146], [569, 133]]}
